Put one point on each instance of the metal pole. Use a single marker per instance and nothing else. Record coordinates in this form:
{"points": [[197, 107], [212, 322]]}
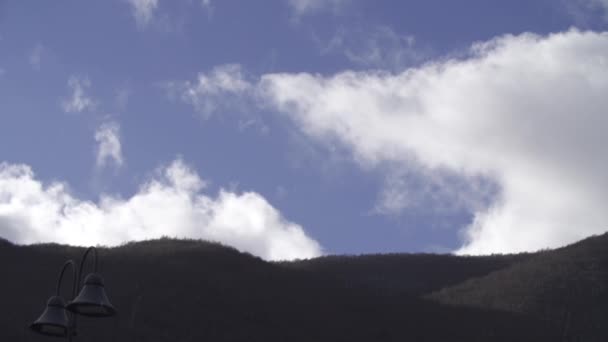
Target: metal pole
{"points": [[77, 282], [82, 260], [72, 328], [76, 285]]}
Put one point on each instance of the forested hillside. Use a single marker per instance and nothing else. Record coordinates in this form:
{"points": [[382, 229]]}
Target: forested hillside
{"points": [[176, 290], [567, 286]]}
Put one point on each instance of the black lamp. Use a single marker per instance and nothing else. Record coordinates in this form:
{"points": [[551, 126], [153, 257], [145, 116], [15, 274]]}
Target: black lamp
{"points": [[92, 300], [58, 319], [54, 321]]}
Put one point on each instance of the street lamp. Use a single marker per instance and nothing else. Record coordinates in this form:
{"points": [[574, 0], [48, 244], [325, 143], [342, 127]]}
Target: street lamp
{"points": [[59, 319]]}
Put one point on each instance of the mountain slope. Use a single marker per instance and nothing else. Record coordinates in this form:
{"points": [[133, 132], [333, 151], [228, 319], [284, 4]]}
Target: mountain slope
{"points": [[567, 287], [414, 274], [170, 290]]}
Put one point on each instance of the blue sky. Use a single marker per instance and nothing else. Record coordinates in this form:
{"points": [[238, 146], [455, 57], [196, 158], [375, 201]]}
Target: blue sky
{"points": [[297, 128]]}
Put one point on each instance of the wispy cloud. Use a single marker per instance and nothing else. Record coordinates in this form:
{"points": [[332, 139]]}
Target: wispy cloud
{"points": [[223, 87], [376, 47], [109, 149], [586, 11], [143, 11], [78, 100], [414, 188], [121, 99], [303, 7], [35, 56], [172, 203], [166, 16], [208, 7]]}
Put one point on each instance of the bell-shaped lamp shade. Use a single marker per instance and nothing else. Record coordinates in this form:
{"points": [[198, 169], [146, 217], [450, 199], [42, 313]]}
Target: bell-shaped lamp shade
{"points": [[54, 320], [92, 299]]}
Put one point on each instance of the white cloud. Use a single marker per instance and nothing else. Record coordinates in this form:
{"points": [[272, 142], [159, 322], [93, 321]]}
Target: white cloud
{"points": [[109, 149], [143, 11], [527, 112], [378, 47], [35, 56], [172, 203], [79, 100], [212, 91], [301, 7]]}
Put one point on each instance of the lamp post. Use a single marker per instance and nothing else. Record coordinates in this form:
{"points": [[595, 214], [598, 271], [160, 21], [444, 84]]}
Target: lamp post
{"points": [[59, 319]]}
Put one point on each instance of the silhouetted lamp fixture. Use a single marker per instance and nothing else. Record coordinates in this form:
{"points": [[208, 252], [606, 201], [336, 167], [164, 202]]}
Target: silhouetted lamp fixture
{"points": [[54, 320], [59, 319]]}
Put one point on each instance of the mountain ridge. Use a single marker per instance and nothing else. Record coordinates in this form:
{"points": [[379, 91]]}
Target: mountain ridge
{"points": [[187, 290]]}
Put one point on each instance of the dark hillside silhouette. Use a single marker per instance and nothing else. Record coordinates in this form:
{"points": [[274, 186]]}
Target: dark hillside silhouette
{"points": [[566, 286], [180, 290], [415, 274]]}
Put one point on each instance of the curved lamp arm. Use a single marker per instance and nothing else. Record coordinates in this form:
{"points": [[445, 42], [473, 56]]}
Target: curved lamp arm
{"points": [[92, 299], [63, 269], [77, 280], [83, 259], [72, 328]]}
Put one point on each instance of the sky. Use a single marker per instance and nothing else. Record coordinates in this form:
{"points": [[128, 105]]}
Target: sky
{"points": [[293, 129]]}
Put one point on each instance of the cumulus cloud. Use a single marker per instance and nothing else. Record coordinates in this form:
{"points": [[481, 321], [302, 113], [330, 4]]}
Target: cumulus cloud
{"points": [[172, 203], [222, 87], [143, 11], [526, 112], [78, 100], [109, 149]]}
